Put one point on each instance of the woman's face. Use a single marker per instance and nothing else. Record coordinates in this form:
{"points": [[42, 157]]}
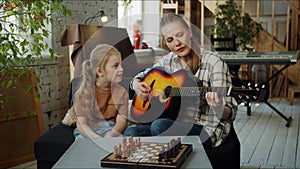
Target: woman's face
{"points": [[178, 38]]}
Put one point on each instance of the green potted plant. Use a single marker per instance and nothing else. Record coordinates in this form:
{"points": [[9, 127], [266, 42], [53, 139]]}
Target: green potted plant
{"points": [[229, 22], [24, 27], [23, 30]]}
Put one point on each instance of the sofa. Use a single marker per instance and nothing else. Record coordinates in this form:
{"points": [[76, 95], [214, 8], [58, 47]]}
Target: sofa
{"points": [[51, 146]]}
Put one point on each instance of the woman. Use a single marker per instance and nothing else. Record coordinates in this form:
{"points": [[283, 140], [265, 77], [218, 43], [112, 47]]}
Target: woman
{"points": [[100, 105], [209, 117]]}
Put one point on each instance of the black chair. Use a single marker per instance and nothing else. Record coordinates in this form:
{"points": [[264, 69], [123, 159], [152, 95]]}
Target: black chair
{"points": [[52, 145], [227, 155]]}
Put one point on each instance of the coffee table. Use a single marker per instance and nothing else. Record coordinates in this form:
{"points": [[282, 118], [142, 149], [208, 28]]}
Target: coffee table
{"points": [[87, 153]]}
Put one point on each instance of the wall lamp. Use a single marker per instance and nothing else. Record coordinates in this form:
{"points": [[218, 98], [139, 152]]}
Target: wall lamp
{"points": [[100, 14]]}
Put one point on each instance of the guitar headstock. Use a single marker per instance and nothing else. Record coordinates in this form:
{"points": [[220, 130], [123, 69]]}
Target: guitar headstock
{"points": [[246, 94]]}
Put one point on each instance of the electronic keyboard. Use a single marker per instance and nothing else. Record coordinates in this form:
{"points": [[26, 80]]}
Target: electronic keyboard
{"points": [[232, 57]]}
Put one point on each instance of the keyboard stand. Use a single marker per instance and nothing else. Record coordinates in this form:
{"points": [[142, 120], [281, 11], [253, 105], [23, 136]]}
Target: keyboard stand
{"points": [[288, 119]]}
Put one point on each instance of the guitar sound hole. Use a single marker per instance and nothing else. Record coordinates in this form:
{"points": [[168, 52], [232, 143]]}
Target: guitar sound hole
{"points": [[167, 92]]}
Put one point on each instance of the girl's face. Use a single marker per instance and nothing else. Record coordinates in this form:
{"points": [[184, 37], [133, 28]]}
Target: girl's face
{"points": [[113, 69], [178, 38]]}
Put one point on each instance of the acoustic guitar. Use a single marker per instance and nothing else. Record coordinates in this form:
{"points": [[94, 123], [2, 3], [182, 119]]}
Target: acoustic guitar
{"points": [[168, 91]]}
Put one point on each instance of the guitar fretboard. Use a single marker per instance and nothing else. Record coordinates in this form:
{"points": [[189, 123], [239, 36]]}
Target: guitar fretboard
{"points": [[195, 91]]}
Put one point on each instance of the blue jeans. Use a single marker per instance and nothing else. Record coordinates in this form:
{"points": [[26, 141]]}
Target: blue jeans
{"points": [[160, 127], [106, 126], [138, 130]]}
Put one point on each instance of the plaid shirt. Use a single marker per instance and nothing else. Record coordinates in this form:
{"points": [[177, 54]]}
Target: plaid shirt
{"points": [[213, 72]]}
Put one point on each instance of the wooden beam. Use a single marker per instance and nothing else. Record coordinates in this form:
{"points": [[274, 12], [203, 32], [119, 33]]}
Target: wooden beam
{"points": [[196, 11], [202, 22], [295, 24], [243, 8], [273, 23], [256, 44], [293, 5], [287, 35], [187, 10]]}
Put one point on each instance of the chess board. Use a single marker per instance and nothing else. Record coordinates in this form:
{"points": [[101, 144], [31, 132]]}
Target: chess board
{"points": [[148, 155]]}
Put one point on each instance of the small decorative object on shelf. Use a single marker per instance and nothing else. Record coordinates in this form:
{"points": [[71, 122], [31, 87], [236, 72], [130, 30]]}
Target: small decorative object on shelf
{"points": [[136, 39], [136, 34], [144, 45]]}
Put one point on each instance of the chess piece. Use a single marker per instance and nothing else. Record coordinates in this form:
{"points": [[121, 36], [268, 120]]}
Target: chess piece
{"points": [[115, 154]]}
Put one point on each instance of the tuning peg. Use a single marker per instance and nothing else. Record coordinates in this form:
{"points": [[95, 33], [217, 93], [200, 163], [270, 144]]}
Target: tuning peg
{"points": [[257, 104], [243, 104], [255, 85], [263, 86], [254, 97], [249, 84], [243, 87]]}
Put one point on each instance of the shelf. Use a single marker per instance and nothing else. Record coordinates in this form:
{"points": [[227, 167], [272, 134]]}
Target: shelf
{"points": [[169, 8], [176, 7]]}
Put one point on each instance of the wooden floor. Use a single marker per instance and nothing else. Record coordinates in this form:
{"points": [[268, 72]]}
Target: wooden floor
{"points": [[265, 140]]}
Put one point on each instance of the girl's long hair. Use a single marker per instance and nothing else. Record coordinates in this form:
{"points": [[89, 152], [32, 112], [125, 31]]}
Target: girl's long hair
{"points": [[84, 98], [195, 39]]}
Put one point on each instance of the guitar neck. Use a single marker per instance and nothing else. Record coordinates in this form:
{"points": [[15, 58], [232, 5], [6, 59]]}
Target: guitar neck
{"points": [[197, 91]]}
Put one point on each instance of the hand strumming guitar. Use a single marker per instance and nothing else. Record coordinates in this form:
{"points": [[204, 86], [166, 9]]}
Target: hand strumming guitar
{"points": [[142, 89]]}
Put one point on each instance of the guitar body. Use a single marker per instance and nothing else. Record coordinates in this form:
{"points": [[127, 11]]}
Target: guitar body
{"points": [[159, 104]]}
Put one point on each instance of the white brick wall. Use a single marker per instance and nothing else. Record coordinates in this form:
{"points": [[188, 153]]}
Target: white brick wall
{"points": [[55, 77], [54, 89]]}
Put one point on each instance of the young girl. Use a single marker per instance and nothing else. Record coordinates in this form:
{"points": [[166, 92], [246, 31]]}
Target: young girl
{"points": [[100, 105]]}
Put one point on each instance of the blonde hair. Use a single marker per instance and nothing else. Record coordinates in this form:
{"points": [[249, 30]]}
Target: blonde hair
{"points": [[195, 40], [84, 98]]}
